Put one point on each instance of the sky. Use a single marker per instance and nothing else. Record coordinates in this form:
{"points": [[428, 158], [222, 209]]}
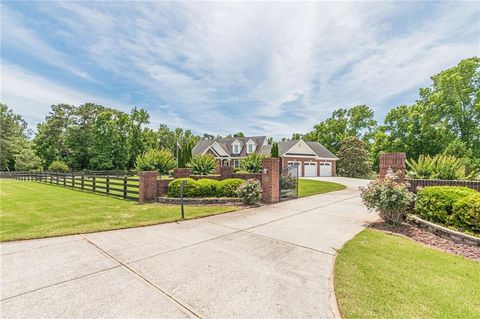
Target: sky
{"points": [[262, 68]]}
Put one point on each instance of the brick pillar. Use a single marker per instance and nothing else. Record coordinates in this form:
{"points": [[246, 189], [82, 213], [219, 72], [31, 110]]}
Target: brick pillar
{"points": [[181, 172], [271, 180], [395, 161], [162, 186], [226, 172], [147, 187], [334, 168]]}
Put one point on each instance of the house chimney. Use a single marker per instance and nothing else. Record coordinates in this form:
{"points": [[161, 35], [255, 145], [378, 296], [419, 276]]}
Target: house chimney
{"points": [[235, 135]]}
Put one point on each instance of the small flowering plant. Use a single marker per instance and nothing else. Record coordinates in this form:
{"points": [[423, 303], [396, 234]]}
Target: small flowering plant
{"points": [[250, 192], [390, 197]]}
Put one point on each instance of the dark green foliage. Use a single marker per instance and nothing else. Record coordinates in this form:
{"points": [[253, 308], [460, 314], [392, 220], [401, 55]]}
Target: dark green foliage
{"points": [[451, 206], [26, 160], [185, 153], [58, 166], [161, 161], [353, 159], [252, 163], [274, 151], [440, 166], [204, 187], [12, 137], [202, 164], [228, 187]]}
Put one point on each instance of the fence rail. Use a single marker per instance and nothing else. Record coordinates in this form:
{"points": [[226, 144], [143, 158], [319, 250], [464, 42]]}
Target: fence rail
{"points": [[126, 186]]}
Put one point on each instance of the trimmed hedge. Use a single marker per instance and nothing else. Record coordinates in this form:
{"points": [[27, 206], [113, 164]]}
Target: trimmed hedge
{"points": [[451, 206], [204, 187]]}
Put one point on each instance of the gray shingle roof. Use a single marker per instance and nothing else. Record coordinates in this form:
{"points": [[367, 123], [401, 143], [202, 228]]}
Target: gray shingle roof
{"points": [[316, 147], [226, 144]]}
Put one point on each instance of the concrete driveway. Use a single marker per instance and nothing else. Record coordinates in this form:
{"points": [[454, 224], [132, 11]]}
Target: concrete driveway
{"points": [[274, 261]]}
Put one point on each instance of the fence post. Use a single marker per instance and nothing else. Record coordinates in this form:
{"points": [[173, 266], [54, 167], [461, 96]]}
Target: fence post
{"points": [[83, 181], [93, 182], [64, 179], [125, 187], [73, 180], [107, 182]]}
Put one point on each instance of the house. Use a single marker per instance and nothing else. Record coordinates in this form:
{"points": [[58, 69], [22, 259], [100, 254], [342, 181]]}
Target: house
{"points": [[312, 158]]}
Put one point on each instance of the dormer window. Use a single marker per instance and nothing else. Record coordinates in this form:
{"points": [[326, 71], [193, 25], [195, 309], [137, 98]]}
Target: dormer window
{"points": [[250, 148], [236, 149]]}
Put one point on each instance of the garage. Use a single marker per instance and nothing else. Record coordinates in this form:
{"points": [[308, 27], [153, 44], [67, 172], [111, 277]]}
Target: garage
{"points": [[310, 169], [325, 169]]}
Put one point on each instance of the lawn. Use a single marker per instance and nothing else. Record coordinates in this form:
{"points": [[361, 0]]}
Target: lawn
{"points": [[35, 210], [307, 187], [378, 275]]}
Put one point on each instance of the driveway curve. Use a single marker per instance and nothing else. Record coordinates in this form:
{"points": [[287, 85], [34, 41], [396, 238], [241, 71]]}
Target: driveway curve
{"points": [[273, 261]]}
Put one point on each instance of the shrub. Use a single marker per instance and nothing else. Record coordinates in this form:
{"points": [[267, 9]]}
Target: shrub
{"points": [[252, 163], [451, 206], [228, 187], [438, 167], [354, 159], [189, 190], [58, 166], [390, 198], [288, 182], [207, 188], [274, 151], [250, 191], [155, 160], [202, 164]]}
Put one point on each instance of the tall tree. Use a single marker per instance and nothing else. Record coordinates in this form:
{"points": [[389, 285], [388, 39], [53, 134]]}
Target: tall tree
{"points": [[353, 159], [12, 137]]}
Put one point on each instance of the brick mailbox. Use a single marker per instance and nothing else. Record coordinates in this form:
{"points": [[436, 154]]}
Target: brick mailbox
{"points": [[271, 180]]}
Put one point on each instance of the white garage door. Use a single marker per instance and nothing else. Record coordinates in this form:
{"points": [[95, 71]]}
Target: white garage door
{"points": [[325, 169], [310, 169]]}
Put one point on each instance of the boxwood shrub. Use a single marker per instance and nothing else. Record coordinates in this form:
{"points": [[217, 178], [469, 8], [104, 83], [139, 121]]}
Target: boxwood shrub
{"points": [[204, 187], [451, 206]]}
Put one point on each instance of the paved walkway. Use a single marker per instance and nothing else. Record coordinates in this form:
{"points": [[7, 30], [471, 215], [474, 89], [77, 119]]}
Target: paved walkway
{"points": [[269, 262]]}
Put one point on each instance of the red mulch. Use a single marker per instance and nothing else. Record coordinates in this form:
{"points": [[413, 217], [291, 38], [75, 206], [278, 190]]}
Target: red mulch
{"points": [[425, 237]]}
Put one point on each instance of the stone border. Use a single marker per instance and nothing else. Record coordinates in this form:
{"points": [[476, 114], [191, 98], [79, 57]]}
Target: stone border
{"points": [[200, 201], [444, 232]]}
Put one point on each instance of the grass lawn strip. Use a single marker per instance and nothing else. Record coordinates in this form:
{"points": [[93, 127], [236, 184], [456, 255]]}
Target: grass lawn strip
{"points": [[308, 187], [34, 210], [378, 275]]}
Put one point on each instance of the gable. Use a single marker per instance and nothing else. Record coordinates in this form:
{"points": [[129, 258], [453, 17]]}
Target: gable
{"points": [[300, 148]]}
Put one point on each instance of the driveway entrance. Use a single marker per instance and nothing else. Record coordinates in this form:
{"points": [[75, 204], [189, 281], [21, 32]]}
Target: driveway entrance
{"points": [[273, 261]]}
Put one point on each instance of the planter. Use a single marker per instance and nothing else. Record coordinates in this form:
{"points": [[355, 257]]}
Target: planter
{"points": [[200, 201], [444, 232]]}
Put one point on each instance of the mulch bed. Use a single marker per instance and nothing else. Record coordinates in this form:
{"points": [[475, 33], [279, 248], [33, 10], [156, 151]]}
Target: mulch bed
{"points": [[422, 236]]}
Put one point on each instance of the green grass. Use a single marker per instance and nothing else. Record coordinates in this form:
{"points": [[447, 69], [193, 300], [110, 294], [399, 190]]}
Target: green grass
{"points": [[378, 275], [35, 210], [307, 187]]}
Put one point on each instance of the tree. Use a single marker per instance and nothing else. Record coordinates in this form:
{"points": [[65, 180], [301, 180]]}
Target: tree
{"points": [[26, 160], [274, 151], [58, 166], [357, 121], [12, 137], [353, 159]]}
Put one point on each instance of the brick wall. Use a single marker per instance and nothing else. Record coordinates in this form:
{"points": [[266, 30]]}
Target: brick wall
{"points": [[394, 161], [415, 183], [147, 187]]}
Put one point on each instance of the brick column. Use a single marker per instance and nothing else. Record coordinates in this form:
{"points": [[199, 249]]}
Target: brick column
{"points": [[271, 180], [226, 172], [147, 187], [395, 161]]}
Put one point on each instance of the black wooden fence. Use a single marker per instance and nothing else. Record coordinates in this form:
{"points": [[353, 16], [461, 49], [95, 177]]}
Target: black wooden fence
{"points": [[113, 184]]}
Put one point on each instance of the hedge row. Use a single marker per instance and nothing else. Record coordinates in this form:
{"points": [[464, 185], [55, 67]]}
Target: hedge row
{"points": [[204, 187], [450, 206]]}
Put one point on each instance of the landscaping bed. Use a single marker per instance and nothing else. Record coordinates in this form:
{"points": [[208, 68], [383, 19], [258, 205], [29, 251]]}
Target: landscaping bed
{"points": [[201, 201]]}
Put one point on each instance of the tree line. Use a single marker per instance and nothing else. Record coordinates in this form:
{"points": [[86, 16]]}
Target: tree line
{"points": [[445, 119]]}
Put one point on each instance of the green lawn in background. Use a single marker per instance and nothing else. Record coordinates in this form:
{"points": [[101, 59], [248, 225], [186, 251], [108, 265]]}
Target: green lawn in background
{"points": [[378, 275], [35, 210], [307, 187]]}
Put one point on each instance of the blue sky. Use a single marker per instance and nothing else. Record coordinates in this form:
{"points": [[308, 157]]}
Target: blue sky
{"points": [[260, 68]]}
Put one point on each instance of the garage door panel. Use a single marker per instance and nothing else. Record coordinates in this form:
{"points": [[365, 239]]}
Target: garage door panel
{"points": [[310, 169], [325, 169]]}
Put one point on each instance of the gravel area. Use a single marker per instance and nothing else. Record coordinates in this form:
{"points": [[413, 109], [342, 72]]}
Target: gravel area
{"points": [[422, 236]]}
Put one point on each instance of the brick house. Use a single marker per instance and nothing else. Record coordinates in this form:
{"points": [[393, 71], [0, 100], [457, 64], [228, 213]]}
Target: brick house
{"points": [[312, 157]]}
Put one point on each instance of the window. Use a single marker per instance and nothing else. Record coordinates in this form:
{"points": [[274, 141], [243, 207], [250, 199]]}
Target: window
{"points": [[236, 149], [236, 163], [249, 148]]}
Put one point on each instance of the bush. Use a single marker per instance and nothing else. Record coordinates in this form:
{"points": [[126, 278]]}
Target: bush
{"points": [[288, 182], [189, 190], [250, 191], [253, 163], [274, 151], [451, 206], [354, 159], [58, 166], [390, 198], [155, 160], [207, 188], [202, 164], [228, 187], [439, 167]]}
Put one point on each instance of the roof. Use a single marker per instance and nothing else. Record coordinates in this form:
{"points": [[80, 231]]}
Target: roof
{"points": [[317, 148], [226, 144]]}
